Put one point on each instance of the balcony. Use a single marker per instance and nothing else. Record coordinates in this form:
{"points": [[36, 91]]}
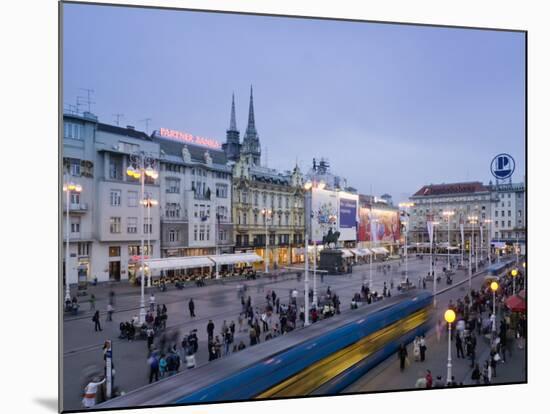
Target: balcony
{"points": [[76, 208]]}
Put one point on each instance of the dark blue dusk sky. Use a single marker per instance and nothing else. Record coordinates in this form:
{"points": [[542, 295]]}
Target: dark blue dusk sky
{"points": [[392, 107]]}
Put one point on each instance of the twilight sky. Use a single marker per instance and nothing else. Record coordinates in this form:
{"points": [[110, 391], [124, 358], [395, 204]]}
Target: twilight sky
{"points": [[392, 107]]}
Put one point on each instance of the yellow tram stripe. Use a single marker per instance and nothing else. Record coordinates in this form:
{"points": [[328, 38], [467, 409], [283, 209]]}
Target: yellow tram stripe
{"points": [[322, 371]]}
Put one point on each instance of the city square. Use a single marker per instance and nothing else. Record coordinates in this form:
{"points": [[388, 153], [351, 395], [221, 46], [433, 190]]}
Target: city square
{"points": [[279, 261]]}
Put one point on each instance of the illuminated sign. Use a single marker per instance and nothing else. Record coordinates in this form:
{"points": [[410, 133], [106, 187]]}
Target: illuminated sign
{"points": [[503, 166], [189, 138]]}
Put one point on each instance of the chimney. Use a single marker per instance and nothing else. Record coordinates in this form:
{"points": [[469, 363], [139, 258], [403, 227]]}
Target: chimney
{"points": [[130, 127]]}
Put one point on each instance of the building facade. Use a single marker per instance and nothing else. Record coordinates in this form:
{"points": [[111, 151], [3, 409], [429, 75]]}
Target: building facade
{"points": [[508, 213], [195, 199], [464, 200], [106, 230]]}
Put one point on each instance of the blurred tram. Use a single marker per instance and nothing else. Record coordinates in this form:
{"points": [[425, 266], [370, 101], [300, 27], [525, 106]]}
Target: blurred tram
{"points": [[323, 359]]}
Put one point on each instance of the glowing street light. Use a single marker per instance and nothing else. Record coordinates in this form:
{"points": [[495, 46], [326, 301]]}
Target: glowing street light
{"points": [[450, 317], [148, 202], [406, 206]]}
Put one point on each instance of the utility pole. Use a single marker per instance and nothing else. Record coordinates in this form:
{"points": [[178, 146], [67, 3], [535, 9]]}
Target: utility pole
{"points": [[146, 120], [118, 116]]}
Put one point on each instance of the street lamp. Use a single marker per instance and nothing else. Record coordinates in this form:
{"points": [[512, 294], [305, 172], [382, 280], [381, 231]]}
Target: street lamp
{"points": [[488, 222], [448, 214], [375, 222], [406, 206], [514, 275], [494, 288], [267, 213], [435, 223], [450, 318], [472, 220], [149, 202], [141, 165], [69, 188]]}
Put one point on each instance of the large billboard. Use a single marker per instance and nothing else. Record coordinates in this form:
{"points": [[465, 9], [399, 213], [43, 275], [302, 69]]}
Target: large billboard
{"points": [[378, 225], [336, 210]]}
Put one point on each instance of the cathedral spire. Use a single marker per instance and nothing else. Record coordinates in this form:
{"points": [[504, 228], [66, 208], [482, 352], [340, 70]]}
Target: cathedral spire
{"points": [[251, 128], [233, 122]]}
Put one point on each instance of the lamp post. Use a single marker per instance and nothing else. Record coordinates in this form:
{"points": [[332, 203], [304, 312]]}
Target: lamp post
{"points": [[494, 288], [406, 206], [450, 318], [69, 188], [267, 213], [375, 241], [435, 223], [471, 220], [488, 222], [141, 166], [514, 275], [448, 214], [149, 202]]}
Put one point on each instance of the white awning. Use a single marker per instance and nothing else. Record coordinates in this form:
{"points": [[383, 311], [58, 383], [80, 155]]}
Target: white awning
{"points": [[310, 249], [223, 259], [184, 262], [361, 252], [346, 253], [379, 250]]}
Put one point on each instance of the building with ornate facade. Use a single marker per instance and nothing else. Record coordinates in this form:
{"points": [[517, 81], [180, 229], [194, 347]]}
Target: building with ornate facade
{"points": [[267, 205]]}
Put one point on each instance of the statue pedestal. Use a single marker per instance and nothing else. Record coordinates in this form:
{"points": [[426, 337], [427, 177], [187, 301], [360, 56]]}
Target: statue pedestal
{"points": [[332, 261]]}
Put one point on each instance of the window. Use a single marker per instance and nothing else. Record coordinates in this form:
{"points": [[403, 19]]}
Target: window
{"points": [[114, 224], [75, 224], [128, 147], [496, 234], [132, 225], [496, 223], [75, 198], [244, 218], [221, 190], [115, 167], [509, 223], [172, 210], [286, 201], [280, 201], [255, 198], [74, 168], [286, 219], [83, 249], [208, 233], [222, 235], [255, 218], [148, 225], [195, 231], [509, 213], [509, 195], [74, 131], [173, 235], [201, 232], [519, 213], [496, 213], [264, 198], [502, 222], [114, 251], [172, 185], [115, 197], [132, 198], [244, 196]]}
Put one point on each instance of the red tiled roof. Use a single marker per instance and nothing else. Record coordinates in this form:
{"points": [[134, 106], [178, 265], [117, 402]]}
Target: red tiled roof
{"points": [[454, 188]]}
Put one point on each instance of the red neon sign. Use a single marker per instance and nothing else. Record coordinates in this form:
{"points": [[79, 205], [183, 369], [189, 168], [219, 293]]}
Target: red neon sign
{"points": [[192, 139]]}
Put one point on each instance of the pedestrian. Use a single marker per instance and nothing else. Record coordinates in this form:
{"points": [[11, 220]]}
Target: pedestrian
{"points": [[112, 297], [459, 348], [153, 368], [402, 355], [429, 379], [110, 311], [92, 302], [438, 329], [210, 330], [192, 308], [162, 365], [423, 349], [152, 302], [190, 360], [240, 320], [438, 383], [95, 319], [476, 374], [416, 349], [89, 398]]}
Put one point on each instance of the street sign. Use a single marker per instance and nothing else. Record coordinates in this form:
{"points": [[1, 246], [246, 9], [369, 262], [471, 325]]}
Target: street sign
{"points": [[503, 166]]}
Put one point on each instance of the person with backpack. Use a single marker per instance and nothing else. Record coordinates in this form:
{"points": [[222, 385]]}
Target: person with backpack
{"points": [[95, 319]]}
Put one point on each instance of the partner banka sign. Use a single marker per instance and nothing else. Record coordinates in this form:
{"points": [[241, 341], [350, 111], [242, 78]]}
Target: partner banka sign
{"points": [[185, 137], [503, 166]]}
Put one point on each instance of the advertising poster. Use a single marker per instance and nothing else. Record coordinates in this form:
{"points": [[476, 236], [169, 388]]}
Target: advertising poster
{"points": [[347, 225], [387, 226], [324, 207]]}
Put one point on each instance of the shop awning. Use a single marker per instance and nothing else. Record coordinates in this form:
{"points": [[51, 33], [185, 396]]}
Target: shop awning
{"points": [[224, 259], [185, 262], [379, 250], [346, 253], [310, 249], [361, 252]]}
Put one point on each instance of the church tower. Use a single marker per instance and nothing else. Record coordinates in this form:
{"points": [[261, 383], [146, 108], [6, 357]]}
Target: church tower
{"points": [[232, 146], [251, 150]]}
